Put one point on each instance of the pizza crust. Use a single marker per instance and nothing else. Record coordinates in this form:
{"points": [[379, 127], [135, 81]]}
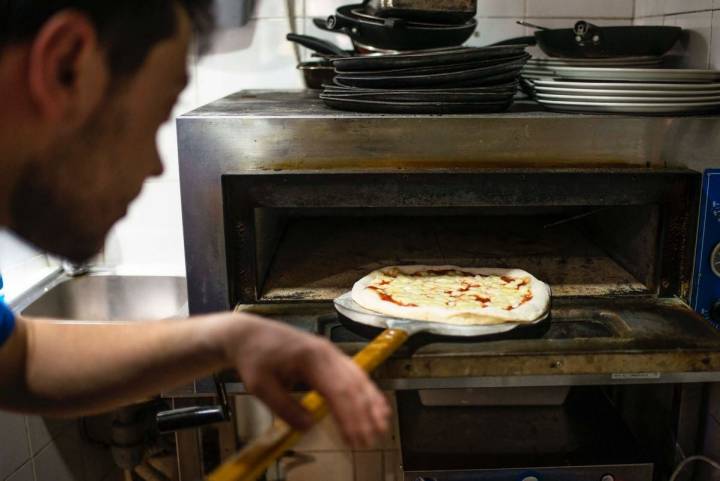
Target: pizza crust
{"points": [[528, 312]]}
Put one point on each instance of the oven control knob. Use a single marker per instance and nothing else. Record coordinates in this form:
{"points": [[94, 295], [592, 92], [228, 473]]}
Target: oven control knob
{"points": [[530, 478], [715, 311], [608, 477]]}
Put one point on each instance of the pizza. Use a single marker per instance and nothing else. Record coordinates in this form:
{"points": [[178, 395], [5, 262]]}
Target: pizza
{"points": [[454, 295]]}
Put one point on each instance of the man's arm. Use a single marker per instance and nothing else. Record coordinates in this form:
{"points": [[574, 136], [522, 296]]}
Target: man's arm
{"points": [[53, 368]]}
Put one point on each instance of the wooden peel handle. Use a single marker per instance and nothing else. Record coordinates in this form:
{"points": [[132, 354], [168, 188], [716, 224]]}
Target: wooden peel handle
{"points": [[249, 463]]}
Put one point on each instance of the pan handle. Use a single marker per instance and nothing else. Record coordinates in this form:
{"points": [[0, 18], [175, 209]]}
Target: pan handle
{"points": [[254, 459]]}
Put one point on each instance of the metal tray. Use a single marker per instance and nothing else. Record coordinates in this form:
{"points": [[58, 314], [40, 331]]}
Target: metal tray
{"points": [[632, 108], [679, 95], [423, 58], [640, 86], [636, 74], [627, 99], [595, 62], [353, 311], [417, 108]]}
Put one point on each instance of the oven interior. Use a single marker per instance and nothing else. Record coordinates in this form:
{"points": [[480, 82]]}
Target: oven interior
{"points": [[317, 254]]}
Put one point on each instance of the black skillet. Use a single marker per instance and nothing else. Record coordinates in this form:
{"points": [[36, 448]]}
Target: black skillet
{"points": [[482, 75], [395, 34], [414, 108], [318, 45], [586, 40], [427, 58], [432, 69]]}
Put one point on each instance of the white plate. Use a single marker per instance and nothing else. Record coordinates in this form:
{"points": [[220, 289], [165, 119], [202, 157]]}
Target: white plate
{"points": [[625, 99], [681, 94], [637, 74], [583, 63], [631, 108], [687, 87], [597, 61]]}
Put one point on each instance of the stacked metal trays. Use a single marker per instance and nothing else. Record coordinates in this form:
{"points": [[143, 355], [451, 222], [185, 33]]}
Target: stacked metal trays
{"points": [[437, 81], [622, 90]]}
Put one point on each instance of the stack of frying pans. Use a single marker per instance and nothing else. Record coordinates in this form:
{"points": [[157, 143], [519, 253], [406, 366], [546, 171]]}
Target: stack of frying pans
{"points": [[404, 24], [435, 81]]}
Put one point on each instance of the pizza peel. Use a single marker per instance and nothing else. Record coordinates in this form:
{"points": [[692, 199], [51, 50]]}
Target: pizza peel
{"points": [[250, 462]]}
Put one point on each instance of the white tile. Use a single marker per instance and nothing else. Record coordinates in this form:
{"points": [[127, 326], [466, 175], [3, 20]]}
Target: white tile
{"points": [[252, 417], [368, 466], [716, 4], [255, 56], [21, 277], [650, 21], [44, 430], [61, 460], [392, 468], [715, 45], [276, 8], [501, 8], [492, 30], [695, 42], [14, 251], [336, 466], [14, 448], [580, 9], [648, 8], [323, 8], [678, 6], [341, 40], [23, 474], [323, 437], [151, 233]]}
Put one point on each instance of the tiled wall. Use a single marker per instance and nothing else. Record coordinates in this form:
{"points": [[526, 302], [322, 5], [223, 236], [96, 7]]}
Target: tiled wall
{"points": [[20, 264], [321, 454], [257, 56], [37, 449], [700, 45]]}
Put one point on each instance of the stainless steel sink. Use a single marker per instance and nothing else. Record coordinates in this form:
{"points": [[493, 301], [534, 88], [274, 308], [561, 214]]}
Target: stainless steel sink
{"points": [[107, 297]]}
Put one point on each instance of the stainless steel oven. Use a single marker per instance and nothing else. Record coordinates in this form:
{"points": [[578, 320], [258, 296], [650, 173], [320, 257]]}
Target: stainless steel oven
{"points": [[286, 204]]}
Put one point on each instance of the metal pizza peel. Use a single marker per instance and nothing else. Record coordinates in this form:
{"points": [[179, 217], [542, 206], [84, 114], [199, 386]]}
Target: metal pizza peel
{"points": [[257, 456]]}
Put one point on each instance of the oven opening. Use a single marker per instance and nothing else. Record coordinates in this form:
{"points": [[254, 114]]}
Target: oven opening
{"points": [[317, 254]]}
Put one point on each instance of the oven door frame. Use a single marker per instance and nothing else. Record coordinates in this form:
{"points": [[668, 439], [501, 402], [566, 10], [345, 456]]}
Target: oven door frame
{"points": [[676, 190]]}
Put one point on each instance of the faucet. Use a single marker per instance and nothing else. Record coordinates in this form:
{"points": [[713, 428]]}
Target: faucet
{"points": [[73, 269]]}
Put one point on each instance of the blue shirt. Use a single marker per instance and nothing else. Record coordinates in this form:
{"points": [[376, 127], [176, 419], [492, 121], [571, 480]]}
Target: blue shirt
{"points": [[7, 323]]}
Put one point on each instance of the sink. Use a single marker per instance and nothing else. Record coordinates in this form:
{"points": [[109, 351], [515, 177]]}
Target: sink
{"points": [[107, 297]]}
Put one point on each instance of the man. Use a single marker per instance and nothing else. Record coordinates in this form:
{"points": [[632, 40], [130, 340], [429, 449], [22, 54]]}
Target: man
{"points": [[84, 86]]}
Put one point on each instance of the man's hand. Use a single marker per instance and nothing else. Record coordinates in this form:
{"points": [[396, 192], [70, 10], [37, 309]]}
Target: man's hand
{"points": [[272, 357]]}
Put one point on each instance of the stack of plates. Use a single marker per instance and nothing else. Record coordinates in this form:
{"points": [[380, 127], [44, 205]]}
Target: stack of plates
{"points": [[438, 81], [539, 68], [653, 97]]}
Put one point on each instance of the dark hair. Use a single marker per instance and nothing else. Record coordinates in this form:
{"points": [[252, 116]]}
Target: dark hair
{"points": [[127, 29]]}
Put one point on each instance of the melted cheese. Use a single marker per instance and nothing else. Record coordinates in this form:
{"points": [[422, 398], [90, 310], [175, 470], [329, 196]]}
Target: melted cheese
{"points": [[453, 289]]}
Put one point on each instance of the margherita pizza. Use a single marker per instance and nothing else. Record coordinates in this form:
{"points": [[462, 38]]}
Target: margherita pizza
{"points": [[454, 295]]}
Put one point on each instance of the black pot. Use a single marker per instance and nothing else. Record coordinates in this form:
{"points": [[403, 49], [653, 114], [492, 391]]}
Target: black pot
{"points": [[589, 41], [395, 34]]}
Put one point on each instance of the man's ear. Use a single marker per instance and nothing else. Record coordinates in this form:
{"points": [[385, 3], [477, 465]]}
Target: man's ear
{"points": [[67, 71]]}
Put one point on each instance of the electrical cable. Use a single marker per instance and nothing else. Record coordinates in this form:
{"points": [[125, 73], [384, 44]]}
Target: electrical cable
{"points": [[691, 459]]}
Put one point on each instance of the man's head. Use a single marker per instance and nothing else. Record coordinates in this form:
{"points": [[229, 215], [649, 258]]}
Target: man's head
{"points": [[85, 85]]}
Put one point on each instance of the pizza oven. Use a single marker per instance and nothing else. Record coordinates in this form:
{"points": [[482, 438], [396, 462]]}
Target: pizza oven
{"points": [[287, 204]]}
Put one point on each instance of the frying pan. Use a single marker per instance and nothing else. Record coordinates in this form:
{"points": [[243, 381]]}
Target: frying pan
{"points": [[586, 40], [315, 44], [256, 457], [395, 34]]}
